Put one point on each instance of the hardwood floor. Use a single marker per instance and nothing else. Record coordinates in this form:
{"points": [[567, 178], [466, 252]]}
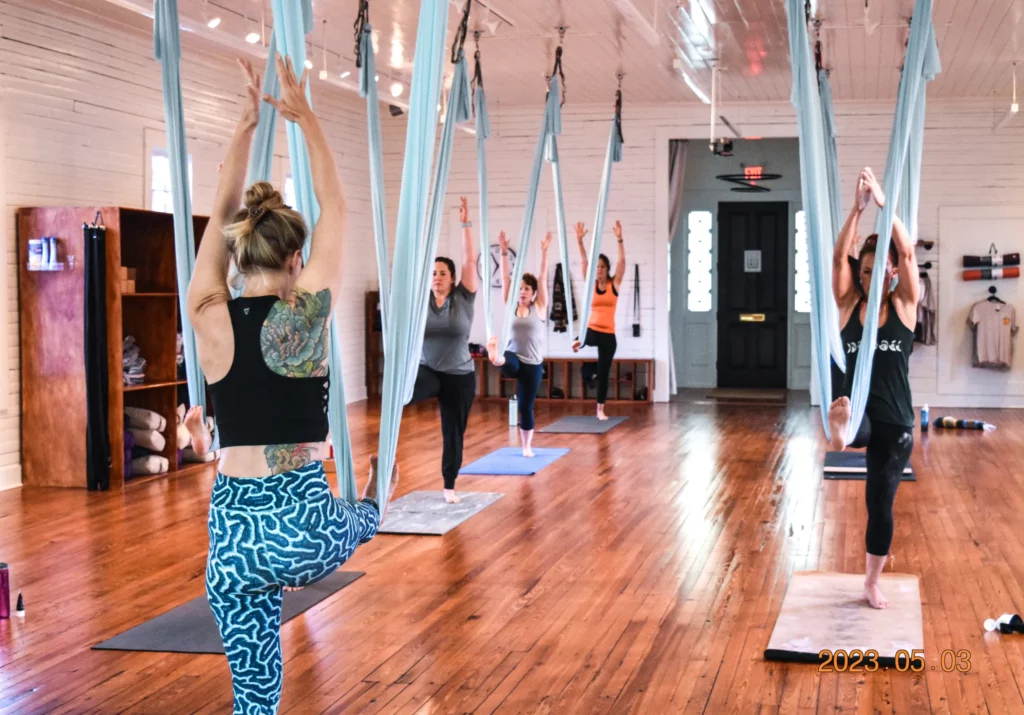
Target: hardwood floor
{"points": [[641, 573]]}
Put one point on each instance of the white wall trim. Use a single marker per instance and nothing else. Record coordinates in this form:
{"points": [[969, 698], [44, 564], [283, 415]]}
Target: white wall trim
{"points": [[10, 477], [662, 322]]}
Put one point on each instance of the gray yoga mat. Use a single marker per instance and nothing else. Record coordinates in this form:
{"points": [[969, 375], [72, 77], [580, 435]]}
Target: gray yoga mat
{"points": [[579, 424], [190, 627], [427, 513]]}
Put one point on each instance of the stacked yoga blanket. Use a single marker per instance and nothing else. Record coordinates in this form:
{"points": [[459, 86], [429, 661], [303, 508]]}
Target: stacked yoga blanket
{"points": [[144, 442]]}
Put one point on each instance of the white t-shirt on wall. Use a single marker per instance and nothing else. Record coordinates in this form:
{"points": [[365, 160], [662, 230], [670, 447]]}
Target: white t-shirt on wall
{"points": [[994, 326]]}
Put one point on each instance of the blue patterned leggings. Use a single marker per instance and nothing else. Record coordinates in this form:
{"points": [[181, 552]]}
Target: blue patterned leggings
{"points": [[267, 533]]}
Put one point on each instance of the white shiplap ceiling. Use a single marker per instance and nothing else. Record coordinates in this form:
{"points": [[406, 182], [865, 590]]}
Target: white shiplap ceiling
{"points": [[650, 40]]}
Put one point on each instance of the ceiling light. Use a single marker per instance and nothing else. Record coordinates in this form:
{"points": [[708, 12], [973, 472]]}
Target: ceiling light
{"points": [[376, 78], [252, 38], [213, 23], [397, 89], [345, 74], [309, 64], [324, 74]]}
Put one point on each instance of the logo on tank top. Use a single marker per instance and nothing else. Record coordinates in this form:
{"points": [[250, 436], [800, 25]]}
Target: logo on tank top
{"points": [[891, 346], [245, 310]]}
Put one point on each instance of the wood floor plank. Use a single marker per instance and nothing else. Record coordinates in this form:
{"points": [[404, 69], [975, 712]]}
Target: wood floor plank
{"points": [[641, 573]]}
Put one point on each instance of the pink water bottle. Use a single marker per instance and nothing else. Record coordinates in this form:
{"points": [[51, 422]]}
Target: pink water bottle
{"points": [[5, 591]]}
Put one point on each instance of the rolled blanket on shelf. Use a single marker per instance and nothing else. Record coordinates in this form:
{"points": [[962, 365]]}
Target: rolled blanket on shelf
{"points": [[140, 418], [149, 439]]}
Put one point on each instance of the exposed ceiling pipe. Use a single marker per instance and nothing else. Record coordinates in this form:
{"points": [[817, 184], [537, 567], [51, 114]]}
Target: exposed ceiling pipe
{"points": [[714, 104]]}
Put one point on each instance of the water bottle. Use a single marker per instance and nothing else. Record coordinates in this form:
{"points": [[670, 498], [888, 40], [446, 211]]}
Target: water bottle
{"points": [[924, 418], [5, 591], [513, 412]]}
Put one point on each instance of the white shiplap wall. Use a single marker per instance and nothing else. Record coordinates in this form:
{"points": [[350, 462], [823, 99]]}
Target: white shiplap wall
{"points": [[965, 164], [81, 91]]}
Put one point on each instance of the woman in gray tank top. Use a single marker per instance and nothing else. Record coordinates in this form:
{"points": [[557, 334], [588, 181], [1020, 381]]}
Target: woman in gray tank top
{"points": [[446, 368], [524, 357]]}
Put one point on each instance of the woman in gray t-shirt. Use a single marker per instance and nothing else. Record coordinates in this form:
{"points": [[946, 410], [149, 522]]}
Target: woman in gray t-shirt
{"points": [[446, 367], [524, 357]]}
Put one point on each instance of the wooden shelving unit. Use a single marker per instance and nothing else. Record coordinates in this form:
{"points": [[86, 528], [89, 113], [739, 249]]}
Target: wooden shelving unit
{"points": [[52, 339], [628, 377]]}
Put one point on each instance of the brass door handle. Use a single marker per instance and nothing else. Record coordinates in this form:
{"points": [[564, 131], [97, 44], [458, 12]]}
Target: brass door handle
{"points": [[751, 317]]}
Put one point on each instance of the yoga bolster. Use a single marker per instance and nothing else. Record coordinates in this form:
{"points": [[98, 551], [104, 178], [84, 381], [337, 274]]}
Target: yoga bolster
{"points": [[146, 466], [149, 439], [141, 418]]}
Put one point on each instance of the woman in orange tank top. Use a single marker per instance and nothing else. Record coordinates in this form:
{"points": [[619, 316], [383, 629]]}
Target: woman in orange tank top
{"points": [[601, 326]]}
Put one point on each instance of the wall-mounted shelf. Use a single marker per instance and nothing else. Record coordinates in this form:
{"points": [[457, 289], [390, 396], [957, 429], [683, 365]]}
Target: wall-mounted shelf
{"points": [[67, 265]]}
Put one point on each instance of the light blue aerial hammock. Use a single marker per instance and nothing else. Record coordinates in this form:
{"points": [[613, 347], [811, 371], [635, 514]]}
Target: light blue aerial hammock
{"points": [[902, 180], [404, 296], [547, 150], [167, 49], [612, 156]]}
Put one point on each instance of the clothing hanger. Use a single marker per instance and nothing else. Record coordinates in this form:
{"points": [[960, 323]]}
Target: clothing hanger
{"points": [[992, 297]]}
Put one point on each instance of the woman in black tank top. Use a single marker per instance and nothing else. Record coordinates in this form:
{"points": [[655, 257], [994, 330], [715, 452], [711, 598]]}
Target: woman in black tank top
{"points": [[274, 524], [887, 428]]}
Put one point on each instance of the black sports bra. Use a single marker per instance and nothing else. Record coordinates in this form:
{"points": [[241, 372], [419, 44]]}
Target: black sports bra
{"points": [[253, 405]]}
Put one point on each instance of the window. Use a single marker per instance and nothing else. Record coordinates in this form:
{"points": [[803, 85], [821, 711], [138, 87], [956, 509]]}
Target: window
{"points": [[160, 197], [698, 249], [802, 301], [289, 190]]}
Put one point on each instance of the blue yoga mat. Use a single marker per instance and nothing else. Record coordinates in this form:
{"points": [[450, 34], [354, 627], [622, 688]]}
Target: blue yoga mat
{"points": [[510, 460]]}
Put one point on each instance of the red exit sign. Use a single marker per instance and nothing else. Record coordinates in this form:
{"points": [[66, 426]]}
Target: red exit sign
{"points": [[753, 173]]}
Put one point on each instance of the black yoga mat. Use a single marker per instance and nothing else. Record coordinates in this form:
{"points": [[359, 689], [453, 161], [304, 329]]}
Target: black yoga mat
{"points": [[190, 627], [853, 465]]}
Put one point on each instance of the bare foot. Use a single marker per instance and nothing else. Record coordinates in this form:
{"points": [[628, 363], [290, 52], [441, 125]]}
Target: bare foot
{"points": [[838, 422], [202, 440], [370, 492], [600, 413], [495, 355], [451, 497], [873, 595], [527, 452]]}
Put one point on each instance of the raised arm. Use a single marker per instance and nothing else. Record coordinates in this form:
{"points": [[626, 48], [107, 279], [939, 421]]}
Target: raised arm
{"points": [[908, 287], [209, 284], [843, 287], [541, 303], [581, 231], [506, 269], [324, 268], [620, 263], [469, 278]]}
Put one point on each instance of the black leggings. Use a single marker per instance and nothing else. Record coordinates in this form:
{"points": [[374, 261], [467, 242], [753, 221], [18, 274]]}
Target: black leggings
{"points": [[454, 395], [528, 379], [606, 345], [888, 452]]}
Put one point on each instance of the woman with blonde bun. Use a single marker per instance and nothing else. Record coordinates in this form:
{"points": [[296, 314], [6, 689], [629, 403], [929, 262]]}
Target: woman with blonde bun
{"points": [[274, 523]]}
